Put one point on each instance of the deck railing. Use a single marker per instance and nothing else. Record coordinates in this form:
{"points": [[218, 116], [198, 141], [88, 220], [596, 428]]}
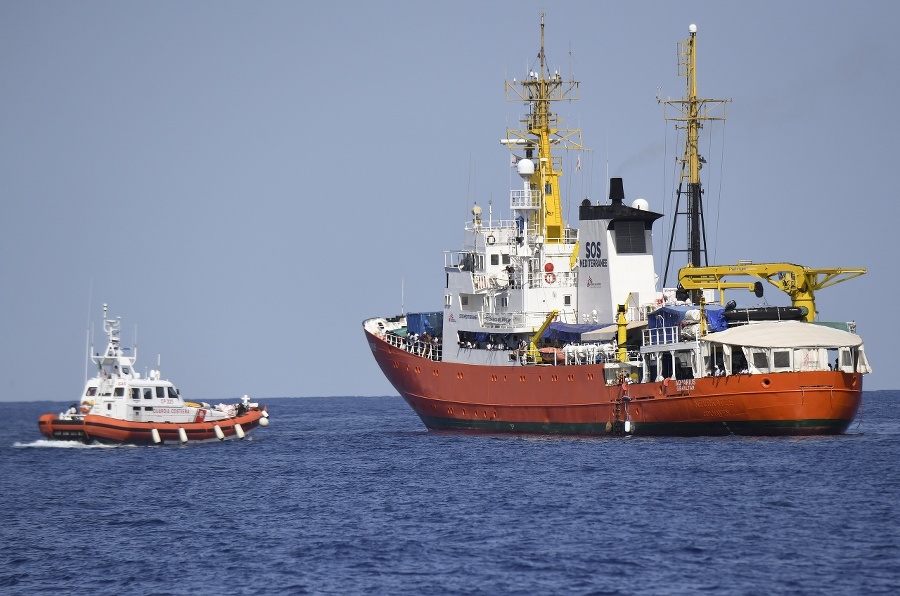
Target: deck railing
{"points": [[662, 336], [430, 350]]}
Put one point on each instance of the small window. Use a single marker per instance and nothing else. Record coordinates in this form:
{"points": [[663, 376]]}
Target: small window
{"points": [[448, 300], [91, 391], [120, 392], [846, 359], [464, 300], [109, 406], [136, 409], [135, 393], [148, 393], [567, 300], [495, 259], [760, 360], [160, 392], [782, 358], [173, 393], [505, 259], [148, 408]]}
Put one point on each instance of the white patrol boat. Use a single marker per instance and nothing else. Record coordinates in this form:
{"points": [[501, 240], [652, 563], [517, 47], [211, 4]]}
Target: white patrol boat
{"points": [[121, 406]]}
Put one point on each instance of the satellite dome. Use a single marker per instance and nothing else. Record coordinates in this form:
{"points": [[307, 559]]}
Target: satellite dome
{"points": [[525, 168], [641, 204]]}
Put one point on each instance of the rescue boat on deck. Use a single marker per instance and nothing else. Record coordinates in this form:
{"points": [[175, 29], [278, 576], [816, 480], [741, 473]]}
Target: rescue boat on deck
{"points": [[119, 405], [547, 328]]}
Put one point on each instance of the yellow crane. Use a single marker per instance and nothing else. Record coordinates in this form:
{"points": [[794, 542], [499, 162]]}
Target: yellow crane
{"points": [[622, 330], [797, 281], [536, 336]]}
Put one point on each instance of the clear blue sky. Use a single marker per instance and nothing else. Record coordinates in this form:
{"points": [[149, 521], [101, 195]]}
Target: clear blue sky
{"points": [[247, 181]]}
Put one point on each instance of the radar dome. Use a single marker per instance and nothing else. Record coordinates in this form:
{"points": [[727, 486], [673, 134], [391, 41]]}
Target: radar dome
{"points": [[641, 204], [525, 168]]}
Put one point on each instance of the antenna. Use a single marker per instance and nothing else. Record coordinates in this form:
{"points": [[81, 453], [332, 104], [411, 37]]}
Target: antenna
{"points": [[87, 349], [692, 111]]}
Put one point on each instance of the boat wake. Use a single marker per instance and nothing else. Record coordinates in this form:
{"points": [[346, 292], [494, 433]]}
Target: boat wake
{"points": [[56, 444]]}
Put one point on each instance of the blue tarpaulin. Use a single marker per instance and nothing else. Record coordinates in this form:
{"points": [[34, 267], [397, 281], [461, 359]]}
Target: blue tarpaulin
{"points": [[671, 316], [422, 322], [567, 332]]}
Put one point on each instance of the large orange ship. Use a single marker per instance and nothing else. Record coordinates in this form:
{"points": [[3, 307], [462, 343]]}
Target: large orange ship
{"points": [[547, 328]]}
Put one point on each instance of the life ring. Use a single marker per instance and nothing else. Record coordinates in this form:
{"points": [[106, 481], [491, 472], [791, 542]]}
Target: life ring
{"points": [[491, 240], [550, 277]]}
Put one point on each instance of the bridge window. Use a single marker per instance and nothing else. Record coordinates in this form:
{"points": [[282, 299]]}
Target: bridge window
{"points": [[630, 237]]}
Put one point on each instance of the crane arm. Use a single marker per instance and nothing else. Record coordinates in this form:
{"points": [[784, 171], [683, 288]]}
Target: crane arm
{"points": [[797, 281], [532, 346]]}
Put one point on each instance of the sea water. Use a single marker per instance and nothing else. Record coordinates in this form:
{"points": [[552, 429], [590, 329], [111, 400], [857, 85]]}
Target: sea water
{"points": [[352, 495]]}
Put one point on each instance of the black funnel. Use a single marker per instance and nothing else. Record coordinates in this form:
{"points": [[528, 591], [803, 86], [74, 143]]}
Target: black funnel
{"points": [[616, 191]]}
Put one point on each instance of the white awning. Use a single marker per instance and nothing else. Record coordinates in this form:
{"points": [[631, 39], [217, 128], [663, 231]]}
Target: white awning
{"points": [[785, 334], [609, 332]]}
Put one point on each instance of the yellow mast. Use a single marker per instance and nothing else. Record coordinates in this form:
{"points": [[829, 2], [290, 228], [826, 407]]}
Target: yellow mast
{"points": [[692, 111], [539, 131]]}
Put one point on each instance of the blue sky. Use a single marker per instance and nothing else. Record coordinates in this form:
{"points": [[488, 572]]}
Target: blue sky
{"points": [[246, 182]]}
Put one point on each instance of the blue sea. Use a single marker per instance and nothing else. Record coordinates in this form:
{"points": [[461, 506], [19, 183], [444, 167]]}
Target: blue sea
{"points": [[351, 495]]}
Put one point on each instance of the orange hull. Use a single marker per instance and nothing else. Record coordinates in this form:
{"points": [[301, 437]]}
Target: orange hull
{"points": [[111, 430], [576, 400]]}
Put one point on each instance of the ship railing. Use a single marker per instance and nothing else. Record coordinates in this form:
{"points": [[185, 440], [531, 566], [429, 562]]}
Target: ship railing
{"points": [[524, 199], [492, 225], [552, 279], [431, 350], [580, 354], [659, 336]]}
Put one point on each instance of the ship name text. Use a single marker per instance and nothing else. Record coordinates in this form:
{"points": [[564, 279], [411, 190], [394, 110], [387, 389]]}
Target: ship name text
{"points": [[592, 256], [685, 384]]}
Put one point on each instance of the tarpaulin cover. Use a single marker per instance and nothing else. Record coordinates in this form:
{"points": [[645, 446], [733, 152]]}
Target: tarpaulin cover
{"points": [[786, 334], [567, 332], [422, 322], [672, 316]]}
